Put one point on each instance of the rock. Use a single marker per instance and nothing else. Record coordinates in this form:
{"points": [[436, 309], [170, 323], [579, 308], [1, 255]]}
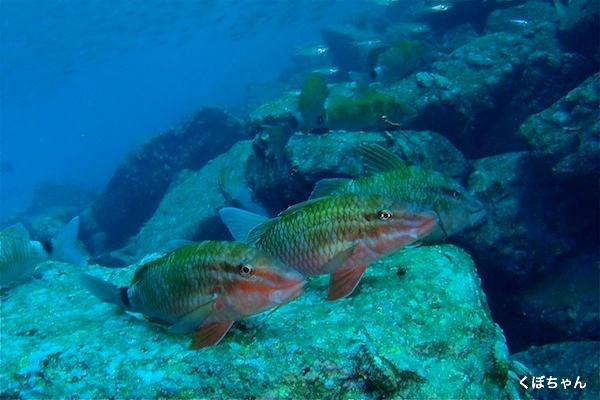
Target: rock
{"points": [[418, 326], [307, 159], [567, 360], [566, 136], [522, 240], [579, 26], [190, 208], [564, 305], [140, 182]]}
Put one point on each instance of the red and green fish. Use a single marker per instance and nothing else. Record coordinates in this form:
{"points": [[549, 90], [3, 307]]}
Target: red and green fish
{"points": [[456, 208], [337, 235], [203, 288]]}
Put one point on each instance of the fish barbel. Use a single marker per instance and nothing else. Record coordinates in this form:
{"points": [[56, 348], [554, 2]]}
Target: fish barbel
{"points": [[203, 287], [338, 235], [428, 189]]}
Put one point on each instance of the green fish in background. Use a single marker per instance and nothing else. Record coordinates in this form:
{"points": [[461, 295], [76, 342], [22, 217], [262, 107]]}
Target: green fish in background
{"points": [[426, 188], [19, 255], [203, 288], [337, 235], [394, 62], [367, 110], [311, 104], [320, 109]]}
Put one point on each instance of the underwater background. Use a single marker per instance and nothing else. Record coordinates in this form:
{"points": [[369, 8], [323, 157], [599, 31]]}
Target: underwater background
{"points": [[145, 118]]}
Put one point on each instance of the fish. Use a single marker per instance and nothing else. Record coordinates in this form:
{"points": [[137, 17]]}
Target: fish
{"points": [[321, 109], [235, 190], [311, 104], [338, 235], [400, 59], [389, 176], [203, 287], [19, 255], [311, 50], [367, 110]]}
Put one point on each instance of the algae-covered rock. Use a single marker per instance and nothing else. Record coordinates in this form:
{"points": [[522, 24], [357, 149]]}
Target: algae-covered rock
{"points": [[307, 159], [566, 136], [564, 361], [135, 190], [417, 327], [190, 208]]}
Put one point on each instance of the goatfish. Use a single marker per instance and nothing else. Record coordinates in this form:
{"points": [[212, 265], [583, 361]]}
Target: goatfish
{"points": [[19, 255], [337, 235], [456, 208], [203, 288]]}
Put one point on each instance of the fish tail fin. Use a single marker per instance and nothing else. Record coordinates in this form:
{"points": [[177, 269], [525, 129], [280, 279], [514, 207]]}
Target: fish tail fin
{"points": [[240, 222], [105, 291], [236, 192], [64, 245]]}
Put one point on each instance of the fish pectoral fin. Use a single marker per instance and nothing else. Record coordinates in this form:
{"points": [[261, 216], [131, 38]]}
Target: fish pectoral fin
{"points": [[344, 281], [326, 187], [338, 260], [210, 334], [192, 320]]}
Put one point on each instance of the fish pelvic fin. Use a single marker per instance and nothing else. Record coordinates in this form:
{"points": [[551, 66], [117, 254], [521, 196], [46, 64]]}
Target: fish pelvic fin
{"points": [[210, 334], [343, 282], [64, 245], [327, 187], [105, 291], [240, 222]]}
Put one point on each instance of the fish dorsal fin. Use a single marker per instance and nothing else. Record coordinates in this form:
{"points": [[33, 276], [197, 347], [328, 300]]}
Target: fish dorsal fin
{"points": [[338, 261], [379, 159], [327, 187], [240, 222], [16, 231], [192, 320], [176, 244], [210, 334]]}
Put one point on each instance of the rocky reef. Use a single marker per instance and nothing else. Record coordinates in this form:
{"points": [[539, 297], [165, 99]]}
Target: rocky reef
{"points": [[506, 104]]}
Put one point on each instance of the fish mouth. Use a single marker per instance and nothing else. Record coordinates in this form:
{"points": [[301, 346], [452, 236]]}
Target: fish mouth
{"points": [[282, 296]]}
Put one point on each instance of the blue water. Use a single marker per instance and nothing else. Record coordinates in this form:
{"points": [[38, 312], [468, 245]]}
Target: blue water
{"points": [[83, 82]]}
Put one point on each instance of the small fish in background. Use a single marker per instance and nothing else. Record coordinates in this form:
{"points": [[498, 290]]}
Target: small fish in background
{"points": [[426, 188], [237, 193], [337, 235], [203, 288], [311, 50], [311, 104], [400, 59], [19, 255]]}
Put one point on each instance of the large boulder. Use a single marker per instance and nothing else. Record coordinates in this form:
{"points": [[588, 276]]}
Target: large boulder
{"points": [[140, 182], [189, 210]]}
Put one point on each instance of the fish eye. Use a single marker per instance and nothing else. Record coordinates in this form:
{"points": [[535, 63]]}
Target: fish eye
{"points": [[455, 194], [320, 120], [246, 269], [384, 215]]}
